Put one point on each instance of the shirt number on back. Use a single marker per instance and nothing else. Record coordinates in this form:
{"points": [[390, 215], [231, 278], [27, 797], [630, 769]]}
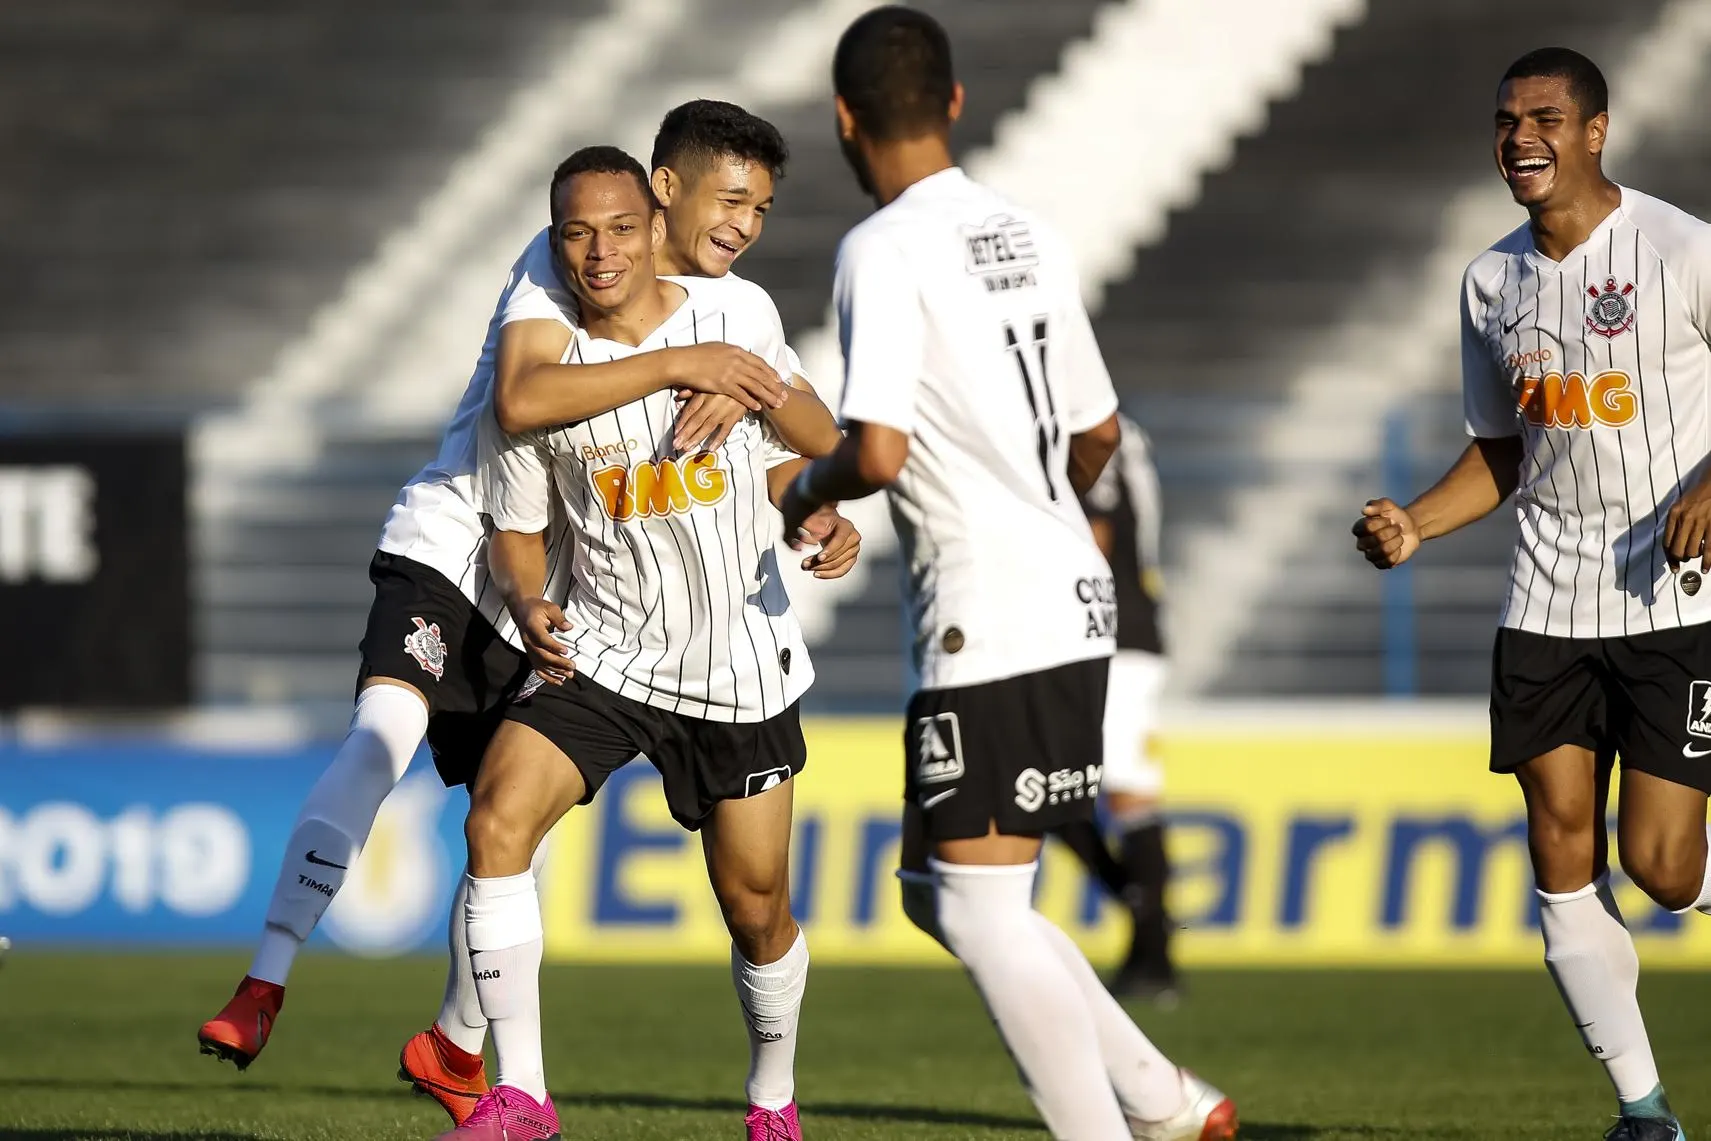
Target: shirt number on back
{"points": [[1030, 358]]}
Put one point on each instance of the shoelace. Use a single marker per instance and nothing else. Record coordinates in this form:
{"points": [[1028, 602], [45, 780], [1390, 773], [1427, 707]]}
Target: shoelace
{"points": [[776, 1127]]}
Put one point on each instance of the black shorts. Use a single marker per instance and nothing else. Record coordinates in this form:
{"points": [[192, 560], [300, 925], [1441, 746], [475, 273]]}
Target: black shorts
{"points": [[422, 630], [1027, 752], [1642, 698], [702, 762]]}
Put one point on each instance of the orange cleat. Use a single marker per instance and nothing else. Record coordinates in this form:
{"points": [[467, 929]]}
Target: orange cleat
{"points": [[1207, 1116], [240, 1030], [433, 1064]]}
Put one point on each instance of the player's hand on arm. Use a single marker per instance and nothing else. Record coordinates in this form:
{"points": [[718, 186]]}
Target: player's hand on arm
{"points": [[518, 565], [721, 369], [840, 543], [704, 420], [1487, 473], [1090, 451], [803, 422], [1687, 528]]}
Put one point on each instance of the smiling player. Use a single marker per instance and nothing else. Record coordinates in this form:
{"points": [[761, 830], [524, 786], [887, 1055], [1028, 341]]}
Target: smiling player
{"points": [[1586, 378]]}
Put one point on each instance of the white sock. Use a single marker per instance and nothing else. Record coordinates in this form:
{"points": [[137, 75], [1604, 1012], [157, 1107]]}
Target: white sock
{"points": [[1148, 1084], [460, 1017], [1591, 956], [771, 997], [986, 915], [1703, 903], [504, 933], [388, 724]]}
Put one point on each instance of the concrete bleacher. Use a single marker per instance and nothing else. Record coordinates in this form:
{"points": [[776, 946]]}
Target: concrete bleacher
{"points": [[186, 182]]}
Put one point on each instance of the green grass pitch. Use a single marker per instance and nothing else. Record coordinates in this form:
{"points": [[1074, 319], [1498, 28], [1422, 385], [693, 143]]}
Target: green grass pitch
{"points": [[97, 1046]]}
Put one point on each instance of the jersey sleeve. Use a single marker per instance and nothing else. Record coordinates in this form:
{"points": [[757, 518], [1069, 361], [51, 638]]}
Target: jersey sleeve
{"points": [[1087, 396], [1689, 263], [1488, 404], [534, 292], [794, 363], [882, 330], [513, 478]]}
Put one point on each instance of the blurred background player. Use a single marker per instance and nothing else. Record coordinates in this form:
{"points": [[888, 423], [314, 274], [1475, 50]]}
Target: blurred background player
{"points": [[1586, 381], [976, 397], [1124, 510]]}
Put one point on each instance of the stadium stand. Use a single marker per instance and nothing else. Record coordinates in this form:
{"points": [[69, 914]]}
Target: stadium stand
{"points": [[191, 199]]}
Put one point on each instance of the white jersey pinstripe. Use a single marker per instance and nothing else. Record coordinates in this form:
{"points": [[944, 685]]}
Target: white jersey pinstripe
{"points": [[1600, 363], [675, 594]]}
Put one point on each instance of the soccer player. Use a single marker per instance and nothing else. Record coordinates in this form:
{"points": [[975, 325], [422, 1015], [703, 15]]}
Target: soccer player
{"points": [[681, 643], [1585, 378], [1123, 509], [446, 675], [975, 395]]}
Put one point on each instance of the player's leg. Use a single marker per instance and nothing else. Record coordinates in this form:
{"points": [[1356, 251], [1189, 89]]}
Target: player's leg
{"points": [[396, 690], [736, 783], [1133, 789], [747, 846], [1550, 719], [554, 750]]}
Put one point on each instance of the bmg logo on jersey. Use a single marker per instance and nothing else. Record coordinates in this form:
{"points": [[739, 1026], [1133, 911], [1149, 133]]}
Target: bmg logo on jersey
{"points": [[1035, 789], [661, 487], [1573, 401]]}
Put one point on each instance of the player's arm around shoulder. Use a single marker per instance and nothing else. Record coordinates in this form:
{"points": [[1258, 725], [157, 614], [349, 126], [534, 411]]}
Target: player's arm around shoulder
{"points": [[534, 385], [1090, 451]]}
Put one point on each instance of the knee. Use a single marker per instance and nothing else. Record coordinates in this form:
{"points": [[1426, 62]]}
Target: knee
{"points": [[502, 837], [758, 917], [1671, 873], [1564, 838]]}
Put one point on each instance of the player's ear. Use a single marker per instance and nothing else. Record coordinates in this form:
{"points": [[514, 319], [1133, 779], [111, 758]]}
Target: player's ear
{"points": [[664, 183], [846, 119], [953, 112], [1597, 130], [658, 230]]}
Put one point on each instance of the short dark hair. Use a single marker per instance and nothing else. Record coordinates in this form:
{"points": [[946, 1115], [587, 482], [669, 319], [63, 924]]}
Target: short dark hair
{"points": [[893, 71], [703, 131], [1585, 81], [596, 160]]}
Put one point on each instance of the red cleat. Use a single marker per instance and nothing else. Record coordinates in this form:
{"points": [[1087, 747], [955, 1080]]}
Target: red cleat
{"points": [[1207, 1116], [240, 1030], [438, 1068]]}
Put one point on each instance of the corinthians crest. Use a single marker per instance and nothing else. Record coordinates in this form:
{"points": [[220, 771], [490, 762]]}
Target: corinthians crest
{"points": [[1612, 312], [425, 645]]}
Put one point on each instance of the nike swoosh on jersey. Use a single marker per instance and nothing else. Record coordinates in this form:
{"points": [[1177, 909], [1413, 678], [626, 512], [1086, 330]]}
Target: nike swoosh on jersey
{"points": [[1509, 326], [928, 801], [1693, 754]]}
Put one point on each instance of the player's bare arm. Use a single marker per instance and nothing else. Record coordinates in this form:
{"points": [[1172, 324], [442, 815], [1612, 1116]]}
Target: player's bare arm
{"points": [[517, 563], [533, 389], [803, 422], [1475, 486], [867, 460], [1090, 451]]}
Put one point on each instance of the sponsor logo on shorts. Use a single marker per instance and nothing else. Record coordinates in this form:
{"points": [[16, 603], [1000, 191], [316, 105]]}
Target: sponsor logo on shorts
{"points": [[938, 749], [1035, 789], [766, 780], [942, 795], [425, 645], [1699, 709]]}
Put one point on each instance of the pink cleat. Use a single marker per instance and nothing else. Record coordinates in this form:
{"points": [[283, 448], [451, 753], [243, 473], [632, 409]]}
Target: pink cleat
{"points": [[506, 1113], [773, 1124]]}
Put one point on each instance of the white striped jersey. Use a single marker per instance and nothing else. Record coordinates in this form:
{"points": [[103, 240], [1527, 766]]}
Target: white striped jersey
{"points": [[675, 596], [436, 519], [962, 325], [1600, 363]]}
